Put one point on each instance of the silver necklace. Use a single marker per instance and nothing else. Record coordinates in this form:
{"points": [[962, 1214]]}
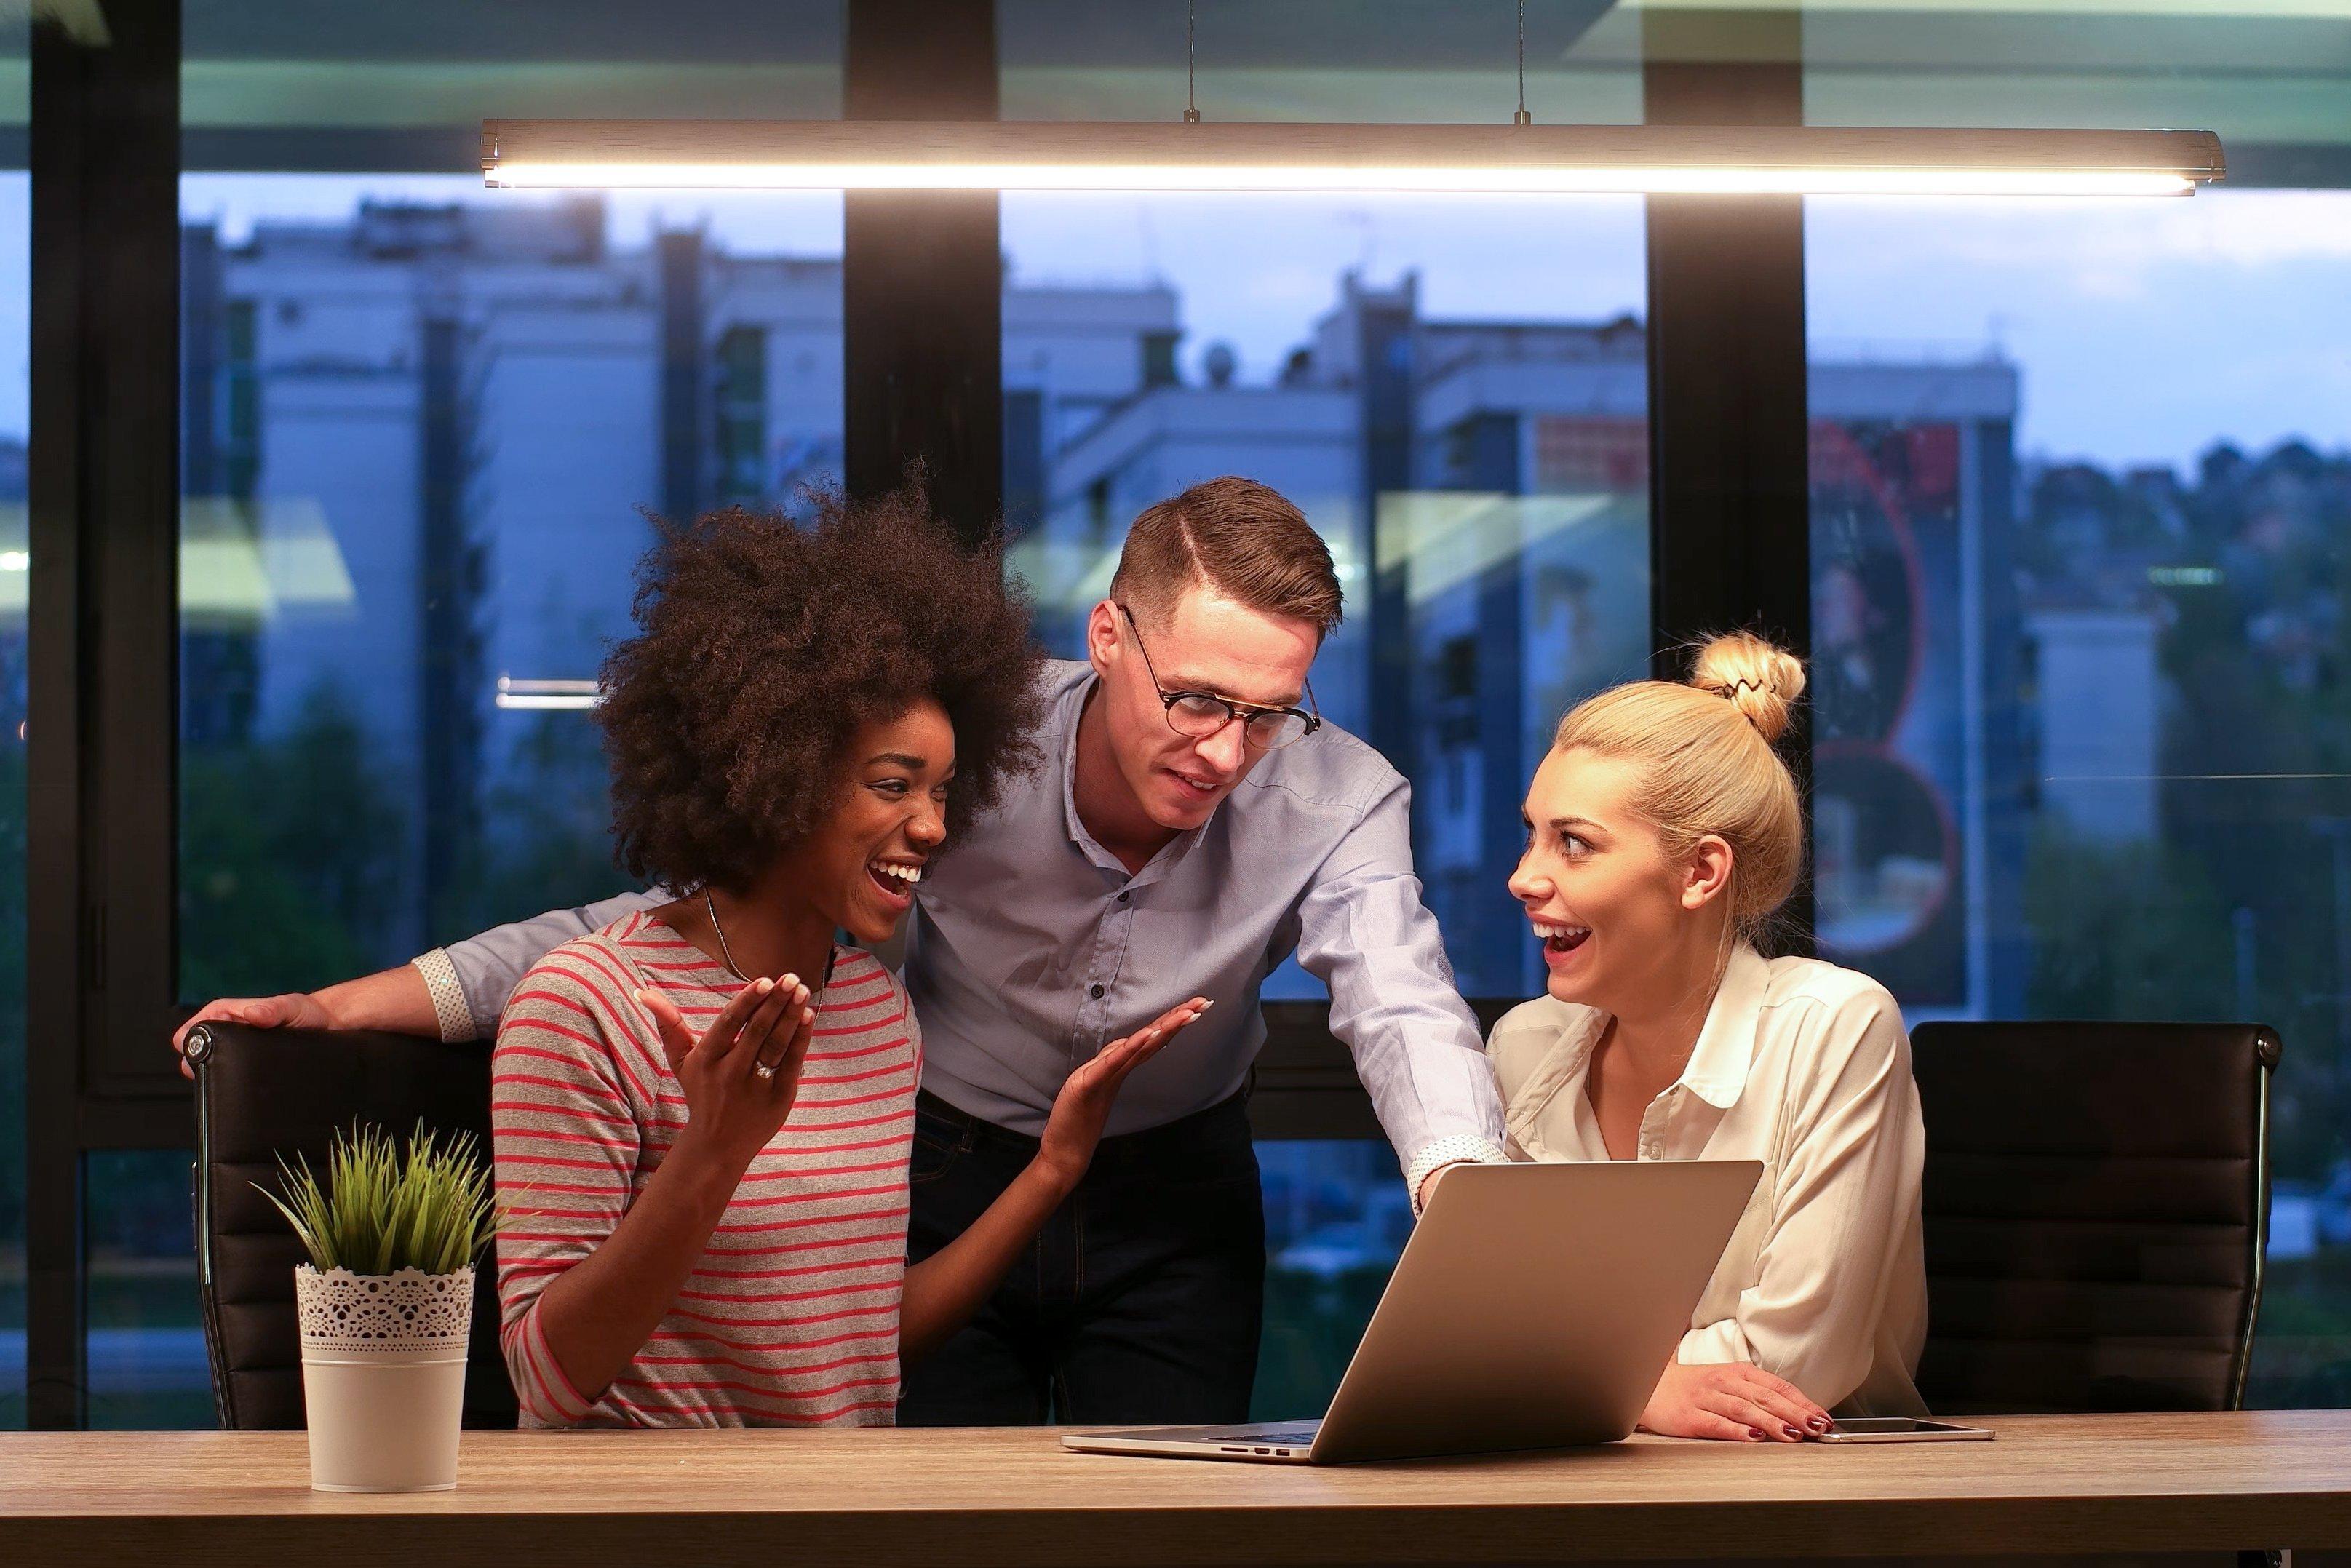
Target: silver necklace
{"points": [[761, 1068], [724, 951]]}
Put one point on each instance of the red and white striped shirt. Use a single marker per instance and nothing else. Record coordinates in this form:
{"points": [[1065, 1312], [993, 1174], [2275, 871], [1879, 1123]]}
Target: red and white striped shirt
{"points": [[790, 1317]]}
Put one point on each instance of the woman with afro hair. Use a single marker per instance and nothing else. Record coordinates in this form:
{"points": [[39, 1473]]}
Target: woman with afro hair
{"points": [[704, 1111]]}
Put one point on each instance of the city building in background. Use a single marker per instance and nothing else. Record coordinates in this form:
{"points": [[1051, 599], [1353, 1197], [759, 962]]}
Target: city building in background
{"points": [[428, 440]]}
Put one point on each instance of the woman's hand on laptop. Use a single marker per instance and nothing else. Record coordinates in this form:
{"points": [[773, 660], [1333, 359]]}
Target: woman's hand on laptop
{"points": [[1083, 1104], [1731, 1400]]}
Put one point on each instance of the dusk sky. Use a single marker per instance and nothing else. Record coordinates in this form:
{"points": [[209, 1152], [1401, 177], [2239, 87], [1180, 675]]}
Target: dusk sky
{"points": [[2145, 330]]}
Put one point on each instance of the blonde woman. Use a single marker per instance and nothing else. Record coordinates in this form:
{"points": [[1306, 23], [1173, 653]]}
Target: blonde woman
{"points": [[1664, 833]]}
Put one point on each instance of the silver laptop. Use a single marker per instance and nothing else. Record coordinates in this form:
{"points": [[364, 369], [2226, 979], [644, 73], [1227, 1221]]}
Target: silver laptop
{"points": [[1533, 1308]]}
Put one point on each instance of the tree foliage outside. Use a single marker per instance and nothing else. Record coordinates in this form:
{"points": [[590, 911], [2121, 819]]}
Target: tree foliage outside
{"points": [[2240, 908]]}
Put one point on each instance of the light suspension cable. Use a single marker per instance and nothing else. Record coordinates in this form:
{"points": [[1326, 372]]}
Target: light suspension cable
{"points": [[1523, 117]]}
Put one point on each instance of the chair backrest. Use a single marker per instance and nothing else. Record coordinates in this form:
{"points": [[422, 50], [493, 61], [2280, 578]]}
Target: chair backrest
{"points": [[263, 1092], [2096, 1206]]}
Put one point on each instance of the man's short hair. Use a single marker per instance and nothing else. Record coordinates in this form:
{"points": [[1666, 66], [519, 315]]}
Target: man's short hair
{"points": [[1245, 540]]}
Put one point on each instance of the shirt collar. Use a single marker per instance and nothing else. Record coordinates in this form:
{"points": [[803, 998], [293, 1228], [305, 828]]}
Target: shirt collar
{"points": [[1718, 1066], [1073, 715], [1726, 1046]]}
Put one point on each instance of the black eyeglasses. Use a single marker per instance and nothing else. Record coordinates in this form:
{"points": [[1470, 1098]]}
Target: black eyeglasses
{"points": [[1200, 715]]}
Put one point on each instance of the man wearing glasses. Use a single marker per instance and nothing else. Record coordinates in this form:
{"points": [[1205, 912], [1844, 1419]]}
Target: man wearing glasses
{"points": [[1195, 822]]}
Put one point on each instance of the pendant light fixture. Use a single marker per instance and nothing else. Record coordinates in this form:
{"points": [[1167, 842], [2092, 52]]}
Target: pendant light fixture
{"points": [[1519, 158]]}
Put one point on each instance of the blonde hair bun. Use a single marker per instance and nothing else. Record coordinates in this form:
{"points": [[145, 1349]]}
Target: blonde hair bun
{"points": [[1761, 681]]}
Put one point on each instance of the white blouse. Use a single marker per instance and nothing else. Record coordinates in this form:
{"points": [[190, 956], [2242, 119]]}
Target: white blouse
{"points": [[1805, 1067]]}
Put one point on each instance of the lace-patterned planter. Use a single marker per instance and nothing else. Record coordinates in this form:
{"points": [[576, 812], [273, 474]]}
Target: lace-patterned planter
{"points": [[383, 1376]]}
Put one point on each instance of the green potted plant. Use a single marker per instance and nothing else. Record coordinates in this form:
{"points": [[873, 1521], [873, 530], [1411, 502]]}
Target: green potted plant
{"points": [[386, 1304]]}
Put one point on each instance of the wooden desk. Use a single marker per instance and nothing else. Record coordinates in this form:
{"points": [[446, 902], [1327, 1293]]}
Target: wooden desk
{"points": [[946, 1499]]}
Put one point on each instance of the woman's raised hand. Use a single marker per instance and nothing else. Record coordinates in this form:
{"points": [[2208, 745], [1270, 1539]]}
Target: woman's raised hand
{"points": [[1732, 1400], [1083, 1104], [741, 1074]]}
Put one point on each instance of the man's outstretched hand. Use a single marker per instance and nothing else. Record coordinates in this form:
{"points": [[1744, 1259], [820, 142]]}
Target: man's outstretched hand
{"points": [[395, 1000], [1079, 1110], [295, 1009]]}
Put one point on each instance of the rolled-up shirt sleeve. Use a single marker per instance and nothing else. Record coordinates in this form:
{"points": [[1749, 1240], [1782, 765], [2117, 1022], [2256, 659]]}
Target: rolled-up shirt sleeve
{"points": [[471, 980], [1364, 932], [1846, 1193]]}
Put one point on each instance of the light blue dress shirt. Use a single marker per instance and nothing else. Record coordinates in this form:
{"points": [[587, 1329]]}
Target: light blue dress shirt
{"points": [[1030, 946]]}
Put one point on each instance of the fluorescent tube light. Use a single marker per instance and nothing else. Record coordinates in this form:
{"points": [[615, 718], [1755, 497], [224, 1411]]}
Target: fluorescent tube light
{"points": [[1000, 155], [514, 692]]}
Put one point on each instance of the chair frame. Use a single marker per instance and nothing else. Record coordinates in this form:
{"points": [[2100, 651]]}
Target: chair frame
{"points": [[199, 1047], [2269, 1050]]}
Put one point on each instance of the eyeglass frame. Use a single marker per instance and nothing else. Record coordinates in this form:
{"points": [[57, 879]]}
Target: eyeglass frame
{"points": [[1242, 712]]}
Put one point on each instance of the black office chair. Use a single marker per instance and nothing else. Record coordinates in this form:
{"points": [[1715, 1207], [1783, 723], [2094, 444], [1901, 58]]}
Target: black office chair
{"points": [[261, 1093], [2096, 1206]]}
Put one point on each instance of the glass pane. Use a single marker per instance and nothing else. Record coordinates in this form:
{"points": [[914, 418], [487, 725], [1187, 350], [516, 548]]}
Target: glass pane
{"points": [[16, 291], [1454, 391], [145, 1342], [424, 427], [2081, 524], [1336, 1219]]}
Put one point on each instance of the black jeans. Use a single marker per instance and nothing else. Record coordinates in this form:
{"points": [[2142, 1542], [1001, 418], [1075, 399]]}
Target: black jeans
{"points": [[1139, 1303]]}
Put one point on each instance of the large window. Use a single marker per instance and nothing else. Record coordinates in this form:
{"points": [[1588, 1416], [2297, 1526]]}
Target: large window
{"points": [[2080, 475], [2081, 535]]}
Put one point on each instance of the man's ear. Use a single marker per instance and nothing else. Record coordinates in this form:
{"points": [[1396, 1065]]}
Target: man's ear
{"points": [[1707, 873], [1102, 641]]}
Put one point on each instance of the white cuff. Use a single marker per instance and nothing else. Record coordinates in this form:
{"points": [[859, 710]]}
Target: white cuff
{"points": [[1461, 1148], [449, 1009]]}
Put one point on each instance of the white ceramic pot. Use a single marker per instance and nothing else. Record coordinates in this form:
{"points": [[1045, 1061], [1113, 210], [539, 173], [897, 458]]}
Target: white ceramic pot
{"points": [[383, 1376]]}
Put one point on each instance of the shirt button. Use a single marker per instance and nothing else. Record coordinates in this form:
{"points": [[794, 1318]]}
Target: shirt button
{"points": [[1095, 992], [1124, 896]]}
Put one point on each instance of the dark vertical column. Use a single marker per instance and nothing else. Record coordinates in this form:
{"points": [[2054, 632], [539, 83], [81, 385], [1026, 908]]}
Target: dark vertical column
{"points": [[1730, 481], [921, 275], [686, 385], [104, 623]]}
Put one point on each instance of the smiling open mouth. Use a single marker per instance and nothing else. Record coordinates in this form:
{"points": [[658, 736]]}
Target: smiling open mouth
{"points": [[896, 878], [1561, 939]]}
